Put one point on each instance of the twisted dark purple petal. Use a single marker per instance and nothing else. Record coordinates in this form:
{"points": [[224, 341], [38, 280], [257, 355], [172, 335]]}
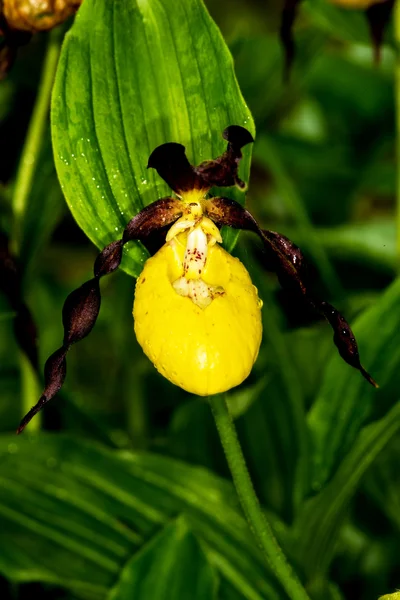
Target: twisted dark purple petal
{"points": [[290, 266], [80, 311], [109, 259], [82, 306], [55, 371], [343, 338], [158, 214]]}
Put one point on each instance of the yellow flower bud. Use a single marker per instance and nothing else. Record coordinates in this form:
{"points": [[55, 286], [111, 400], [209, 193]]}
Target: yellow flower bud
{"points": [[361, 4], [38, 15], [202, 334]]}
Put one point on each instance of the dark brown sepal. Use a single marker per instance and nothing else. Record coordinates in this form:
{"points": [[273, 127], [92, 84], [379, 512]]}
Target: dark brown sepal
{"points": [[171, 163], [237, 137], [378, 16], [82, 306], [288, 262], [289, 14], [223, 171]]}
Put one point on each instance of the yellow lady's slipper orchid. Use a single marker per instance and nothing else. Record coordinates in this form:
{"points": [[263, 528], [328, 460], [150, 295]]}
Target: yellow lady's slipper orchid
{"points": [[197, 313]]}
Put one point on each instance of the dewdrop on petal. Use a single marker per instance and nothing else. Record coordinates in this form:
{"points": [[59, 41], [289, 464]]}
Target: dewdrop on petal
{"points": [[198, 318]]}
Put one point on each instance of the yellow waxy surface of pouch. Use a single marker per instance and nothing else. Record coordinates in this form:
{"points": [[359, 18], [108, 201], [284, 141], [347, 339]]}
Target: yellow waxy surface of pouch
{"points": [[203, 350]]}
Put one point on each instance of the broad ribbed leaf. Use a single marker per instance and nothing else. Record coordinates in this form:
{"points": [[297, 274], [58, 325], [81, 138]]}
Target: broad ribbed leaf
{"points": [[172, 567], [345, 400], [132, 75], [74, 514]]}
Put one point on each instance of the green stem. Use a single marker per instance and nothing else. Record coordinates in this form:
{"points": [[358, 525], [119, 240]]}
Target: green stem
{"points": [[34, 137], [397, 112], [258, 523], [22, 189]]}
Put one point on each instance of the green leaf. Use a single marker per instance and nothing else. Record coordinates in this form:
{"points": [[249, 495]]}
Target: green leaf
{"points": [[346, 400], [318, 525], [240, 400], [372, 243], [382, 483], [133, 75], [85, 510], [171, 567]]}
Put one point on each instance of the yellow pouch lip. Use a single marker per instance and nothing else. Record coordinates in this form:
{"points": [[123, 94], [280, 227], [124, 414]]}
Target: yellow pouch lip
{"points": [[204, 351]]}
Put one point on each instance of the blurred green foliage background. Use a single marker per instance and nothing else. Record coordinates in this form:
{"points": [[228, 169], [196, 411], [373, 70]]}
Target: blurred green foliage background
{"points": [[323, 173]]}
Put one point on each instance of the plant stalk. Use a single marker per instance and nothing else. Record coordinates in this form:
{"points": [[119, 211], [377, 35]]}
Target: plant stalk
{"points": [[258, 523], [34, 137], [30, 388]]}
